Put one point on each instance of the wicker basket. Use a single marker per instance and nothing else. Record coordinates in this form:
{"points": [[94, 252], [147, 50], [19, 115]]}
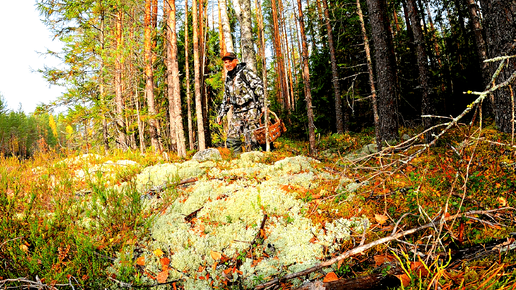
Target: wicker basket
{"points": [[275, 129]]}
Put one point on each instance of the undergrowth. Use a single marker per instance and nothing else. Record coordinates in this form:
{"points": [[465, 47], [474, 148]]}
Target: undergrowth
{"points": [[63, 231]]}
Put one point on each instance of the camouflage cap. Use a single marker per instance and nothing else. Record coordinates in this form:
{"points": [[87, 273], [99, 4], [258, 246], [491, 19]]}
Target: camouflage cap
{"points": [[229, 55]]}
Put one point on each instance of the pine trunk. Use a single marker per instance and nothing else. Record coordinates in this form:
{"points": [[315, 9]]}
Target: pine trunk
{"points": [[385, 70], [427, 90], [278, 56], [187, 84], [335, 74], [101, 87], [119, 100], [500, 28], [174, 92], [371, 77], [149, 80], [479, 41], [197, 71], [261, 33], [306, 81]]}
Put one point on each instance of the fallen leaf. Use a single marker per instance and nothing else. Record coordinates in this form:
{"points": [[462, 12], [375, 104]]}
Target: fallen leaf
{"points": [[502, 201], [381, 259], [162, 276], [140, 261], [380, 218], [405, 280], [165, 262], [330, 277], [158, 252], [419, 269], [215, 255]]}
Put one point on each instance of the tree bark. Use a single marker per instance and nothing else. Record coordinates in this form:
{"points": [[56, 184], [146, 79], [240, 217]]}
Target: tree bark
{"points": [[279, 56], [427, 90], [149, 80], [335, 74], [197, 71], [187, 84], [246, 34], [261, 33], [371, 77], [101, 85], [174, 92], [479, 41], [225, 26], [119, 100], [385, 70], [306, 81], [500, 28]]}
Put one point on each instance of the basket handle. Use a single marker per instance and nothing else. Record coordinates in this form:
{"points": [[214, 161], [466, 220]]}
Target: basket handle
{"points": [[261, 115]]}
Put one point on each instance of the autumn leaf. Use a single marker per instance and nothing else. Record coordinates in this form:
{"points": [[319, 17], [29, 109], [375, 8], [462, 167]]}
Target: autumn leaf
{"points": [[405, 279], [164, 263], [380, 218], [502, 201], [419, 268], [162, 276], [215, 255], [381, 259], [330, 277], [158, 252], [140, 261]]}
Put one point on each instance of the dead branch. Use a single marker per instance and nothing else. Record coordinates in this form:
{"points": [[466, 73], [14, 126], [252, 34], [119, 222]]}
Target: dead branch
{"points": [[28, 284], [365, 247]]}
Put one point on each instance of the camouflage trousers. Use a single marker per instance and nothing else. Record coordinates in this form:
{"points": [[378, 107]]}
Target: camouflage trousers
{"points": [[244, 124]]}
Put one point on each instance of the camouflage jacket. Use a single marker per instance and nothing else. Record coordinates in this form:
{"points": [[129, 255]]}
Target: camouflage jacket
{"points": [[243, 90]]}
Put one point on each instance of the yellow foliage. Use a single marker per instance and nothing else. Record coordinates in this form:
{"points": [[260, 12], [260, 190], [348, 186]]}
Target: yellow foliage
{"points": [[52, 125]]}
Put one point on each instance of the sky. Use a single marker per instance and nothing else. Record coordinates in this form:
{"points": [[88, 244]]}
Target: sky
{"points": [[22, 35]]}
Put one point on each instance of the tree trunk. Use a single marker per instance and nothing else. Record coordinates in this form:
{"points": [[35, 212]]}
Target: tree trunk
{"points": [[149, 80], [203, 34], [261, 33], [119, 100], [246, 31], [371, 77], [187, 84], [335, 74], [222, 41], [168, 79], [225, 26], [479, 41], [306, 81], [197, 71], [279, 56], [385, 70], [101, 86], [500, 28], [174, 92], [427, 90]]}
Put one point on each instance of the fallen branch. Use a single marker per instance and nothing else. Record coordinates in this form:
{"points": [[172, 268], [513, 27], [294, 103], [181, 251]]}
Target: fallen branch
{"points": [[361, 249], [28, 284]]}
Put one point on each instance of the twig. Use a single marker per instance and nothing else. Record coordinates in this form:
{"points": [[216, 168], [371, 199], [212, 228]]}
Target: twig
{"points": [[7, 241], [361, 249]]}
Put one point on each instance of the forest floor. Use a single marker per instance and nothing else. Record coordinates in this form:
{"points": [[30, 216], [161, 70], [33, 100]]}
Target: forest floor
{"points": [[347, 217]]}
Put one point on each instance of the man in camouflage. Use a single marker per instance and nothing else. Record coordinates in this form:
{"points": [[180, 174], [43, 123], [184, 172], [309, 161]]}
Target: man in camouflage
{"points": [[244, 92]]}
